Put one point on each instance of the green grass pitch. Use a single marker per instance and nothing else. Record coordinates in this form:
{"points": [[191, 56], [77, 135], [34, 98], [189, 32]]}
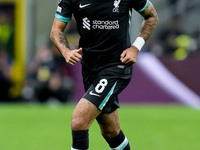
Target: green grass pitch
{"points": [[148, 127]]}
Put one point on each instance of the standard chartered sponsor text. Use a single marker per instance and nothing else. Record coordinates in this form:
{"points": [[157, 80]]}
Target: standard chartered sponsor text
{"points": [[108, 25]]}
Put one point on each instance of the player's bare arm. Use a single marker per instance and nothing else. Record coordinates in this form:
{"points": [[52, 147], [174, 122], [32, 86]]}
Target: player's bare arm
{"points": [[60, 41], [150, 21], [129, 56]]}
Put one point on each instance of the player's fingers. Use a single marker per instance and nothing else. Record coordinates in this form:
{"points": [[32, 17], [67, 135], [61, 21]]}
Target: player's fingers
{"points": [[77, 55], [72, 57], [76, 58], [123, 55], [72, 62], [80, 50], [129, 61], [125, 60]]}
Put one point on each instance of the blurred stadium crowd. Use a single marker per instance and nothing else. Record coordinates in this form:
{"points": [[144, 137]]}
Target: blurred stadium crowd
{"points": [[50, 79]]}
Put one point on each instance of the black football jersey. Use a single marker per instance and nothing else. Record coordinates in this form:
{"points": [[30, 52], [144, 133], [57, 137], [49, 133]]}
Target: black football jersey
{"points": [[103, 26]]}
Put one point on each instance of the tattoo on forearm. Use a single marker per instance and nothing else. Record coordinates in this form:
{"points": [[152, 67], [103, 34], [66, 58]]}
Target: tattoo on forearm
{"points": [[63, 40], [151, 20]]}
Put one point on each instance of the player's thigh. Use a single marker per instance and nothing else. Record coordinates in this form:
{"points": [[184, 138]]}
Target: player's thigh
{"points": [[109, 124], [84, 114]]}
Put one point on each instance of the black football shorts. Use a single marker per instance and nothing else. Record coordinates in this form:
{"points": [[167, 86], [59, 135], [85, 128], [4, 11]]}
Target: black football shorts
{"points": [[103, 88]]}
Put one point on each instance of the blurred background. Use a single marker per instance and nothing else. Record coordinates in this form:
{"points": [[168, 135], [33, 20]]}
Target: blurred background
{"points": [[39, 90], [32, 69]]}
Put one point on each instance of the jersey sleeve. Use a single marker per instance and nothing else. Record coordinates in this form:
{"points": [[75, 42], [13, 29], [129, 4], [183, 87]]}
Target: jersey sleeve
{"points": [[64, 11], [140, 5]]}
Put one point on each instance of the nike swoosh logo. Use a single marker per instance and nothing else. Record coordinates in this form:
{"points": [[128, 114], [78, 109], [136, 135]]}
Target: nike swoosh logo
{"points": [[82, 6], [91, 93]]}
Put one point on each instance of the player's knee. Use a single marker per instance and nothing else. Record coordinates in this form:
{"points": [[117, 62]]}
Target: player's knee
{"points": [[78, 124], [109, 134]]}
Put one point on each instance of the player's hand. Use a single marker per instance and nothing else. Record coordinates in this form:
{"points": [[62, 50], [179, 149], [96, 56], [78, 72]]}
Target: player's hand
{"points": [[73, 56], [129, 56]]}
